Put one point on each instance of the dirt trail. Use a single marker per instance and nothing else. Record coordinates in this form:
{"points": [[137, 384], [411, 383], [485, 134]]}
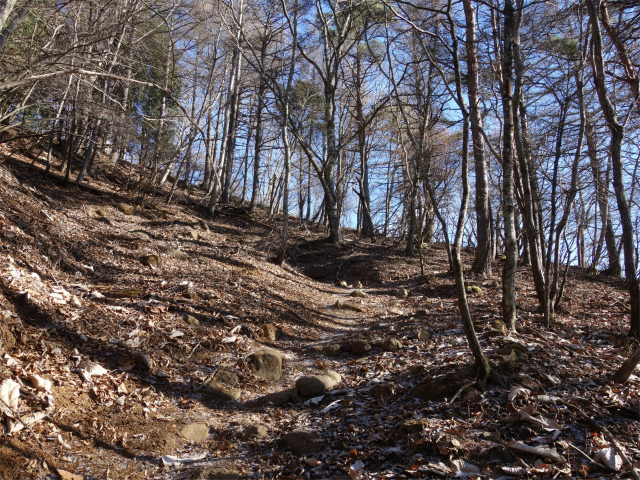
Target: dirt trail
{"points": [[129, 313]]}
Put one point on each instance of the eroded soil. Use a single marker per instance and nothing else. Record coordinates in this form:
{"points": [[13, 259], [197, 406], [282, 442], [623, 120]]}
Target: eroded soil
{"points": [[75, 289]]}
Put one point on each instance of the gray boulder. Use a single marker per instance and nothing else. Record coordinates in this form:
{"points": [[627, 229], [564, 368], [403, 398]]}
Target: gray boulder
{"points": [[267, 364], [219, 391], [315, 385]]}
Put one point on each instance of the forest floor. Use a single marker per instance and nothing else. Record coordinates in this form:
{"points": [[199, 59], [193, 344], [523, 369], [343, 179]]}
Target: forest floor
{"points": [[135, 344]]}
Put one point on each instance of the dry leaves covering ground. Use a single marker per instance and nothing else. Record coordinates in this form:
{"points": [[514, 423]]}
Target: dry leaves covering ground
{"points": [[114, 320]]}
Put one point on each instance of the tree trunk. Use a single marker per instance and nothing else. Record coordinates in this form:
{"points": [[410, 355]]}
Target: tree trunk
{"points": [[511, 247]]}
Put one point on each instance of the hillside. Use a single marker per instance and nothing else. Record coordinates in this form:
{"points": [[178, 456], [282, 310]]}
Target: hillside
{"points": [[139, 340]]}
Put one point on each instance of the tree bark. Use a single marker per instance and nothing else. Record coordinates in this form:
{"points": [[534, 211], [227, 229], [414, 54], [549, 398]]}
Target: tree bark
{"points": [[511, 247]]}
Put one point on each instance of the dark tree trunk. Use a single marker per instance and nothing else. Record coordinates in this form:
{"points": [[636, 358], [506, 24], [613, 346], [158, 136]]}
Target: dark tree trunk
{"points": [[511, 247]]}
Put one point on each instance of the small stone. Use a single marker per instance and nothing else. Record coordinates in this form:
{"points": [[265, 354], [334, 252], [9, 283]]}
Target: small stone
{"points": [[227, 377], [303, 443], [271, 332], [332, 349], [381, 390], [343, 284], [391, 345], [173, 253], [328, 349], [126, 209], [191, 320], [267, 364], [401, 293], [219, 391], [359, 347], [196, 432], [359, 294], [342, 304], [255, 432], [396, 311], [316, 385], [193, 296], [424, 335]]}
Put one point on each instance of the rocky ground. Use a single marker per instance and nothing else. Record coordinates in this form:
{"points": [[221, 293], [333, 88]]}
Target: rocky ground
{"points": [[153, 342]]}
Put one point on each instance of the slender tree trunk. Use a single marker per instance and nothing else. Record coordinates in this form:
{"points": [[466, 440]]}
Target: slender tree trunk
{"points": [[511, 247]]}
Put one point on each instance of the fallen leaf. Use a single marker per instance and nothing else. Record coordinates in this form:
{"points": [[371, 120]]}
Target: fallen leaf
{"points": [[610, 458], [9, 396], [173, 460], [515, 471], [16, 426], [64, 475], [11, 362], [462, 468], [40, 384], [546, 452], [517, 391], [89, 369], [540, 421], [176, 334]]}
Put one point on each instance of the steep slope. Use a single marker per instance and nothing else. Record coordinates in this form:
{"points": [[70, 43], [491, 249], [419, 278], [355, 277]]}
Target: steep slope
{"points": [[126, 332]]}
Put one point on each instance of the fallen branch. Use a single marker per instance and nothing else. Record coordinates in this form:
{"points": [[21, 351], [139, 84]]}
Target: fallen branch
{"points": [[627, 367]]}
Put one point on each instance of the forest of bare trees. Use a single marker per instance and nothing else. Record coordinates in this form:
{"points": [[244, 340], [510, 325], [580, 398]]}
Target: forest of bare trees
{"points": [[509, 126]]}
